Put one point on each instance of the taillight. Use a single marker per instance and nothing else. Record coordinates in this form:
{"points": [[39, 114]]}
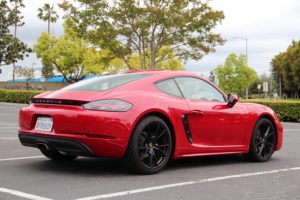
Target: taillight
{"points": [[114, 105]]}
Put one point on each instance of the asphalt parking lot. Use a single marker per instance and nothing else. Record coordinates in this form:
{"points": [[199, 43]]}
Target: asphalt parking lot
{"points": [[25, 174]]}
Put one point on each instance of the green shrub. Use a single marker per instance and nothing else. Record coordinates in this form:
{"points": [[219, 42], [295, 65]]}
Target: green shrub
{"points": [[287, 111], [17, 96]]}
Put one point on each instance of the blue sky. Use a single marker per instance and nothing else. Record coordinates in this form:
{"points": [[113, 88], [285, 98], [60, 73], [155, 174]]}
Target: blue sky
{"points": [[268, 25]]}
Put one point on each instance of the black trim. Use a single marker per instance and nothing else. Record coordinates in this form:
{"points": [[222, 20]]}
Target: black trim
{"points": [[187, 128], [56, 144], [58, 101], [178, 88]]}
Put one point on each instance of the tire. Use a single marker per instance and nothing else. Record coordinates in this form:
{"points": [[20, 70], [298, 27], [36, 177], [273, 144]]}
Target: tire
{"points": [[150, 146], [263, 141], [57, 156]]}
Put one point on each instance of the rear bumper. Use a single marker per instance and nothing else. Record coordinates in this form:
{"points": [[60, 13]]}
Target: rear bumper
{"points": [[56, 144], [76, 144], [104, 133]]}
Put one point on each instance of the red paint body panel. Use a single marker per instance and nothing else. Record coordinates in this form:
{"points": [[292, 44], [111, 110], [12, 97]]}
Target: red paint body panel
{"points": [[218, 129]]}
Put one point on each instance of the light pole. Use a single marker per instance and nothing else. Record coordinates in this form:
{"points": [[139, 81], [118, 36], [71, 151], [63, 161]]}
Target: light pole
{"points": [[246, 40]]}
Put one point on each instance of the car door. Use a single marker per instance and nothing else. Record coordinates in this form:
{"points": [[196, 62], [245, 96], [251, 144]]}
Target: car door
{"points": [[211, 121]]}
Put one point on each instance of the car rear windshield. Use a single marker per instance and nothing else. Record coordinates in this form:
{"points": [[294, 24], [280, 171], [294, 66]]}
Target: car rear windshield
{"points": [[106, 82]]}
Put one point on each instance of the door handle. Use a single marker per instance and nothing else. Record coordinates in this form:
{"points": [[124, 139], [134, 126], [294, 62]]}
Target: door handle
{"points": [[197, 113]]}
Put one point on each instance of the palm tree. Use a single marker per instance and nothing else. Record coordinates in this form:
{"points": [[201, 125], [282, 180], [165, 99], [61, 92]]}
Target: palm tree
{"points": [[48, 14]]}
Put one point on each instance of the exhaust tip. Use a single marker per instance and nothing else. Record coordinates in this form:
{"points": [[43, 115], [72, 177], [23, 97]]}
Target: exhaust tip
{"points": [[43, 146]]}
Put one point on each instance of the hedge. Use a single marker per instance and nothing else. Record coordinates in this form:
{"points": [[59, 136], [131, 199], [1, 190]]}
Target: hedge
{"points": [[287, 111], [17, 96]]}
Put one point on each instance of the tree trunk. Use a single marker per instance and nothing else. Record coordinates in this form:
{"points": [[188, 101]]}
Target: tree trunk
{"points": [[153, 52], [153, 63], [49, 26], [141, 55]]}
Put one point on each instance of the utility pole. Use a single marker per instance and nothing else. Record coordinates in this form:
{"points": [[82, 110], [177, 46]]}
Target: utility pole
{"points": [[246, 41], [280, 87], [271, 87], [15, 36]]}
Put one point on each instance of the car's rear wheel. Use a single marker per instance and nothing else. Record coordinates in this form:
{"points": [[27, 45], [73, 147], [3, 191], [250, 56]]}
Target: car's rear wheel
{"points": [[57, 156], [263, 141], [150, 146]]}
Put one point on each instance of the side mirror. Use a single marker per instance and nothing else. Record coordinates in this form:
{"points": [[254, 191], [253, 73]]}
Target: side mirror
{"points": [[232, 99]]}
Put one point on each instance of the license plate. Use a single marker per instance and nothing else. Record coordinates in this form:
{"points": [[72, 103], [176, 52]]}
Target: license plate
{"points": [[44, 124]]}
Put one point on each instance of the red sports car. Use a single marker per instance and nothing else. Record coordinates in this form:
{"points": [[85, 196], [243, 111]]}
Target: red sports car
{"points": [[147, 117]]}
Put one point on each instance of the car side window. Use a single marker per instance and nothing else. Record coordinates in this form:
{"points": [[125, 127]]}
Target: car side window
{"points": [[194, 88], [169, 87]]}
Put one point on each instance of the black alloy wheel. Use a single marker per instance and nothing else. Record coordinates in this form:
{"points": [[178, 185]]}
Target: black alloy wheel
{"points": [[150, 147], [263, 141]]}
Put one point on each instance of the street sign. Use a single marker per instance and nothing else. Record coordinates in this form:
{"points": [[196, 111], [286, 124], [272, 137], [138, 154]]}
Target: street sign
{"points": [[259, 86]]}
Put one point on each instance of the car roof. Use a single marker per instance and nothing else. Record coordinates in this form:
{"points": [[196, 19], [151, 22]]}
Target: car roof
{"points": [[165, 73]]}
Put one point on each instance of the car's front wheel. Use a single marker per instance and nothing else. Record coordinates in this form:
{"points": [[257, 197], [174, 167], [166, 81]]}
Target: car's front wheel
{"points": [[57, 156], [150, 146], [263, 141]]}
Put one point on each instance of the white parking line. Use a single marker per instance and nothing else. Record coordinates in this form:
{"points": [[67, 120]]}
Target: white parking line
{"points": [[9, 138], [148, 189], [21, 158], [7, 124], [290, 123], [22, 194], [295, 129], [8, 127]]}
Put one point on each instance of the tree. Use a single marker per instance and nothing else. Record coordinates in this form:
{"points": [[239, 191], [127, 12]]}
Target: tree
{"points": [[234, 76], [212, 76], [47, 14], [172, 63], [65, 54], [145, 28], [287, 67], [72, 56], [47, 71], [11, 48]]}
